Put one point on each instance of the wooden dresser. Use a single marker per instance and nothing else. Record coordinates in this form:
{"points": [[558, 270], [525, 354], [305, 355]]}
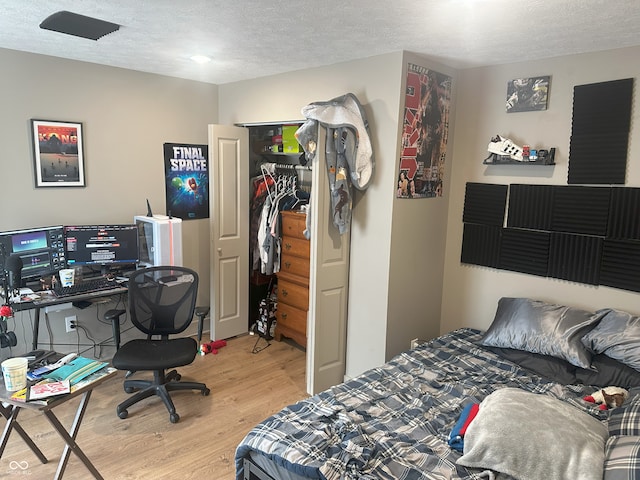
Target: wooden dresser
{"points": [[293, 280]]}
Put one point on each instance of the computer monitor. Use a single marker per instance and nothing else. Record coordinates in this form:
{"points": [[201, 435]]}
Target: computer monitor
{"points": [[41, 250], [107, 246]]}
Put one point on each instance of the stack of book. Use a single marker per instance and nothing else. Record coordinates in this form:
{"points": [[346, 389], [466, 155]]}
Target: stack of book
{"points": [[67, 377]]}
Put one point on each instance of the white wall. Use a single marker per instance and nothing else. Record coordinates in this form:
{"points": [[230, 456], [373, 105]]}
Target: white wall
{"points": [[471, 293], [127, 116], [418, 238]]}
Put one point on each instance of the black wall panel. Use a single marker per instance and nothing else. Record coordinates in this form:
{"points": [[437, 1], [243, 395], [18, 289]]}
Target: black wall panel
{"points": [[530, 206], [582, 210], [621, 264], [524, 251], [575, 257], [624, 214], [485, 203], [600, 132], [598, 159], [481, 245], [582, 234]]}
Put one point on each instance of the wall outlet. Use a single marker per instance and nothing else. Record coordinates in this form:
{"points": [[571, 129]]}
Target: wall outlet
{"points": [[70, 323], [414, 343]]}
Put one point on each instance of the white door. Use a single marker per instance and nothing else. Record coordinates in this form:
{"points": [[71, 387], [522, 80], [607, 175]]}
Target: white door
{"points": [[328, 286], [329, 273], [229, 206]]}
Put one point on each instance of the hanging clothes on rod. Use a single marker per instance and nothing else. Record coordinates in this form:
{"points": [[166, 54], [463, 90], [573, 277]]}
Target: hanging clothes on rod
{"points": [[261, 185], [283, 194]]}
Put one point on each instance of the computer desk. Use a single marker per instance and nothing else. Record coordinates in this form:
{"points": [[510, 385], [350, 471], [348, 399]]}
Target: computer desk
{"points": [[50, 300], [10, 409]]}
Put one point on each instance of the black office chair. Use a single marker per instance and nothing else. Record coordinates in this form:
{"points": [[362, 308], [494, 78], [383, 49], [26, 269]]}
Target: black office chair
{"points": [[161, 303]]}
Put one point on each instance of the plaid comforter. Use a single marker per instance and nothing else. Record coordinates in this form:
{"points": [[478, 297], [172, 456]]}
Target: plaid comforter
{"points": [[393, 422]]}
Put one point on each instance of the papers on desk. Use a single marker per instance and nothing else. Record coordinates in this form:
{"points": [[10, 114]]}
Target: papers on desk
{"points": [[67, 378], [49, 389], [75, 370]]}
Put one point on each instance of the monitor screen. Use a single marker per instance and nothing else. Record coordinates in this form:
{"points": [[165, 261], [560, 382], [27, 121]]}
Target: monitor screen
{"points": [[41, 250], [101, 245]]}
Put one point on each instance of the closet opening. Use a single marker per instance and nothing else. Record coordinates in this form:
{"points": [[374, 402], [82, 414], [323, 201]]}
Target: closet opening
{"points": [[279, 239]]}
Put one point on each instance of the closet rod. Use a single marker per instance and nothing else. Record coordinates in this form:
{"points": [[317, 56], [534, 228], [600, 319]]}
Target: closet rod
{"points": [[288, 166]]}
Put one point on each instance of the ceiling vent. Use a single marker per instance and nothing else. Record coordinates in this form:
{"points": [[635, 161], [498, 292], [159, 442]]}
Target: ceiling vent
{"points": [[78, 25]]}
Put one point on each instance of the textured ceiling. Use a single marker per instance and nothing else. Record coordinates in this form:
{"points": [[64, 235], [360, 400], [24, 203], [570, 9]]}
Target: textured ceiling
{"points": [[249, 38]]}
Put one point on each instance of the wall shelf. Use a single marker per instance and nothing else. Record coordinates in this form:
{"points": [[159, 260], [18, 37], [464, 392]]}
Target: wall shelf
{"points": [[509, 161], [546, 161]]}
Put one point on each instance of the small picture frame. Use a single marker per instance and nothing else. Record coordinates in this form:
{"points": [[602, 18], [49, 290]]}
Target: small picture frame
{"points": [[528, 94], [57, 153]]}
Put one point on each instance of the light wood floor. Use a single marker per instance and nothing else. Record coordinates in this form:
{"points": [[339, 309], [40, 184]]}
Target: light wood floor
{"points": [[245, 389]]}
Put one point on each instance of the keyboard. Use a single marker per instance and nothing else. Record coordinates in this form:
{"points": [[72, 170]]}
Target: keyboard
{"points": [[86, 286]]}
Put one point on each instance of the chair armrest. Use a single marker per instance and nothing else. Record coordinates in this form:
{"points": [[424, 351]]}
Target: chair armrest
{"points": [[113, 316], [201, 312]]}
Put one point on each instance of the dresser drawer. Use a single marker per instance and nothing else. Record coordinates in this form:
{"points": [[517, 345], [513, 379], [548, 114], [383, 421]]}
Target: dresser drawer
{"points": [[292, 323], [295, 246], [295, 265], [293, 224], [293, 294]]}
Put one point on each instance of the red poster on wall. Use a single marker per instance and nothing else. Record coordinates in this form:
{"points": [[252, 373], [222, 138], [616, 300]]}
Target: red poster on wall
{"points": [[424, 133]]}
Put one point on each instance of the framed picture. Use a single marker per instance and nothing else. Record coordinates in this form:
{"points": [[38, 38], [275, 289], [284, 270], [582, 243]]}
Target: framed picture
{"points": [[57, 153], [527, 94]]}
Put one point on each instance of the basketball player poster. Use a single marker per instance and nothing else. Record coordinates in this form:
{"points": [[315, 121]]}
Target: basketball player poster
{"points": [[424, 133]]}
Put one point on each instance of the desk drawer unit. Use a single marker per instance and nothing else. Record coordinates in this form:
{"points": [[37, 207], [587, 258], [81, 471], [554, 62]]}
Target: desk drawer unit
{"points": [[293, 280]]}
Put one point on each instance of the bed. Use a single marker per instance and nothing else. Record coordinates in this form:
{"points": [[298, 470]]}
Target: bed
{"points": [[528, 375]]}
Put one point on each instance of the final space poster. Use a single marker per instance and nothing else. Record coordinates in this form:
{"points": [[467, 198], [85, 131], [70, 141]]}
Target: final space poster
{"points": [[186, 169]]}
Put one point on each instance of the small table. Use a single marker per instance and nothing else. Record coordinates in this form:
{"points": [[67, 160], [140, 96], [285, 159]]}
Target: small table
{"points": [[12, 408]]}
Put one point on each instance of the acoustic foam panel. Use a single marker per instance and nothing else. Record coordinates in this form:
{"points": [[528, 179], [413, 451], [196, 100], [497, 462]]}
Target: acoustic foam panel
{"points": [[480, 245], [600, 132], [530, 206], [620, 266], [575, 258], [524, 251], [484, 203], [582, 210], [624, 214]]}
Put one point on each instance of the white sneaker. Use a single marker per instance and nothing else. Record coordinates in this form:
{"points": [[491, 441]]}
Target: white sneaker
{"points": [[504, 146]]}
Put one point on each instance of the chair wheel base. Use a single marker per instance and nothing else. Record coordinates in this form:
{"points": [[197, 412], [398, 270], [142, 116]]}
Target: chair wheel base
{"points": [[206, 392], [123, 414], [174, 418]]}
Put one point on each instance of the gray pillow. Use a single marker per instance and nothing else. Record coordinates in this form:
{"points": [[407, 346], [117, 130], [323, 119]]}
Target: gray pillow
{"points": [[539, 327], [528, 435], [617, 336]]}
